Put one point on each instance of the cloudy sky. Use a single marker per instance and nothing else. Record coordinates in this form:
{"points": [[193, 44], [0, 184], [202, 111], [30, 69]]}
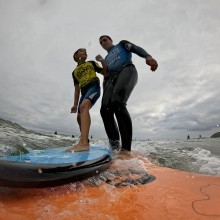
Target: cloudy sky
{"points": [[38, 38]]}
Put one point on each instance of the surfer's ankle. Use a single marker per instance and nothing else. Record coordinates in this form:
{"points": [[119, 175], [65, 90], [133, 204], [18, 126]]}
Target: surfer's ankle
{"points": [[115, 145], [80, 147]]}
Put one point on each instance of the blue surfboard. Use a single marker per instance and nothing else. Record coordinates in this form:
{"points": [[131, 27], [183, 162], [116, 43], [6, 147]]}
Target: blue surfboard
{"points": [[52, 167]]}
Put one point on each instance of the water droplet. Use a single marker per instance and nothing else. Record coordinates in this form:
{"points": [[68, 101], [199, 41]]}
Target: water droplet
{"points": [[40, 170]]}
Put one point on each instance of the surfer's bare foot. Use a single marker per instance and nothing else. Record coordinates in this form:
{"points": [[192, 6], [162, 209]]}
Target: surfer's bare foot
{"points": [[125, 155], [79, 147]]}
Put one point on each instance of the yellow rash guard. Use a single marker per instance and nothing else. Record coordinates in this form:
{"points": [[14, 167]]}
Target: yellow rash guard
{"points": [[85, 74]]}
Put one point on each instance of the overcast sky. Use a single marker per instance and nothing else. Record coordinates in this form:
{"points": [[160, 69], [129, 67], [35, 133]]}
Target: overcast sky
{"points": [[38, 38]]}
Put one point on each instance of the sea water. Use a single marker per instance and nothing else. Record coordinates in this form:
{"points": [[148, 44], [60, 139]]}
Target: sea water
{"points": [[196, 156]]}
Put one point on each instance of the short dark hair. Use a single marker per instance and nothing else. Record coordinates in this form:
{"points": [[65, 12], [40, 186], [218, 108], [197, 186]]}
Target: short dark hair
{"points": [[105, 36], [74, 55]]}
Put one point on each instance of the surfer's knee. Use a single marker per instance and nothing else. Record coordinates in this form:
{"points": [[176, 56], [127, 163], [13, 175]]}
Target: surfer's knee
{"points": [[118, 106], [105, 110], [85, 106]]}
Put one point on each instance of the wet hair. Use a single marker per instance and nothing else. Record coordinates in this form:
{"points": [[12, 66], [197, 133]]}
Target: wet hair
{"points": [[75, 53], [105, 36]]}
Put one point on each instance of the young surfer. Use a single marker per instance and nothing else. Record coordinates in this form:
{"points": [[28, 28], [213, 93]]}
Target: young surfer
{"points": [[86, 82]]}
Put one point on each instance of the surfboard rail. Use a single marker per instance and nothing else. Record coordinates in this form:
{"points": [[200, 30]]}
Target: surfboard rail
{"points": [[36, 175]]}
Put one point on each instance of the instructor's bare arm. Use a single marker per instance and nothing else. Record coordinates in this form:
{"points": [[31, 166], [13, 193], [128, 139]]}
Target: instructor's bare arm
{"points": [[151, 62]]}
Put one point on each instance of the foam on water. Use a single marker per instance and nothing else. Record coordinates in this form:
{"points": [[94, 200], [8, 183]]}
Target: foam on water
{"points": [[207, 163]]}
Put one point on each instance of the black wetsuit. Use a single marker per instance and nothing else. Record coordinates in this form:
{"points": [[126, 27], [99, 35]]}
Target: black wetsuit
{"points": [[117, 89]]}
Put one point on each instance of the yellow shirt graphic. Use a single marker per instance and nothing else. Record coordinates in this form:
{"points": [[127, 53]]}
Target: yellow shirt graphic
{"points": [[85, 73]]}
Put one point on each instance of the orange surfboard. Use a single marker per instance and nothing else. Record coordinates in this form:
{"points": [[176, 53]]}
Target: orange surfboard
{"points": [[171, 195]]}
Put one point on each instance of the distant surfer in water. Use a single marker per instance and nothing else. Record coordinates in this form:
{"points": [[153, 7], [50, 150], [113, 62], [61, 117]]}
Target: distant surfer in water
{"points": [[118, 87], [86, 82]]}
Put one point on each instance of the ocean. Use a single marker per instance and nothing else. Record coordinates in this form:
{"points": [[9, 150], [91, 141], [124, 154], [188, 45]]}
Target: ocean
{"points": [[200, 156]]}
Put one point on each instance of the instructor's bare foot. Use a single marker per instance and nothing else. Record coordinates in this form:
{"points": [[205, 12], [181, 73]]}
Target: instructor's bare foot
{"points": [[124, 155], [79, 147]]}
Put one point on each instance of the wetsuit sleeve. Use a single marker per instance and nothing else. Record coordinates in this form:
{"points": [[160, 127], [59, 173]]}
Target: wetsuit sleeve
{"points": [[134, 48], [96, 66], [74, 79]]}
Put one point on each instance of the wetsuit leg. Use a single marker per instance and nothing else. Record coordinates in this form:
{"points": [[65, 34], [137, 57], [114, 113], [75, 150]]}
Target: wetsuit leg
{"points": [[107, 113], [124, 85]]}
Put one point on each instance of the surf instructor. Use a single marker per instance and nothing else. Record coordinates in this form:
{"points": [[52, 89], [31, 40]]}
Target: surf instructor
{"points": [[118, 87]]}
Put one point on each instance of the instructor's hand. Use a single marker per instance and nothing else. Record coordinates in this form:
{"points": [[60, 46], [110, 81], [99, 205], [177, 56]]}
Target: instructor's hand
{"points": [[152, 63], [99, 58]]}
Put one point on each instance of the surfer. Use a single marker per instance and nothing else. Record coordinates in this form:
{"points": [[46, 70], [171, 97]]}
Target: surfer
{"points": [[86, 82], [118, 87]]}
